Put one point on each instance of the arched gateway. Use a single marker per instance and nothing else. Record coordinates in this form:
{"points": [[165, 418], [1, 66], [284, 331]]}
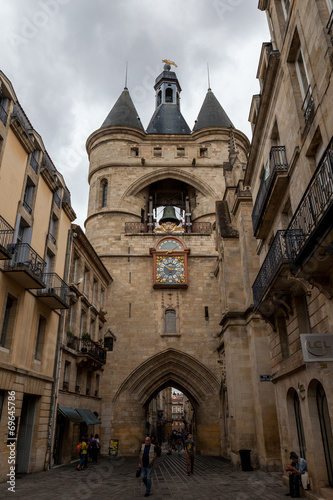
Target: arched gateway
{"points": [[165, 369], [170, 219]]}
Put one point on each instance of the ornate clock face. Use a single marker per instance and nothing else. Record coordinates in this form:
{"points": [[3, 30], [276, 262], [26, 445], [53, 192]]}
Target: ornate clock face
{"points": [[169, 245], [170, 269]]}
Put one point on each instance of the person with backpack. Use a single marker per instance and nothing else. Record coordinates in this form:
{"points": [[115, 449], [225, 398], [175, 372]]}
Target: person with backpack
{"points": [[82, 450]]}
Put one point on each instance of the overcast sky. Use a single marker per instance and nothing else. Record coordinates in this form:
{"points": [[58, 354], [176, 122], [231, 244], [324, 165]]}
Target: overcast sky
{"points": [[67, 61]]}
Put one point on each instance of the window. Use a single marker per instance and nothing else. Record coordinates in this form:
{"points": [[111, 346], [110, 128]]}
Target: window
{"points": [[75, 269], [169, 95], [108, 343], [92, 328], [85, 281], [88, 388], [157, 152], [7, 330], [40, 339], [78, 379], [159, 98], [67, 369], [104, 193], [53, 228], [101, 300], [3, 108], [28, 195], [206, 313], [94, 289], [83, 322], [170, 321], [34, 160], [283, 334], [302, 314], [134, 151], [96, 386], [296, 56], [180, 152], [203, 152]]}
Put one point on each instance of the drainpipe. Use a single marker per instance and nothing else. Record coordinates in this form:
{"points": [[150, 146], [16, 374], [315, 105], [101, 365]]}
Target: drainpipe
{"points": [[56, 371]]}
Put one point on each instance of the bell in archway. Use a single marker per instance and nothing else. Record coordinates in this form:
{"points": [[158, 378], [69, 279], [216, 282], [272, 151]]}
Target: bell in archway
{"points": [[169, 215]]}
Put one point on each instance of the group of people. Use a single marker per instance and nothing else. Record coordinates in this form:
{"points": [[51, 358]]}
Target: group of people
{"points": [[176, 441], [88, 449], [148, 455]]}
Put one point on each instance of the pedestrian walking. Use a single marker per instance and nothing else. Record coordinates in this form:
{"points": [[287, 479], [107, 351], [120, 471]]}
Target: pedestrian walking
{"points": [[95, 448], [83, 454], [190, 454], [147, 457]]}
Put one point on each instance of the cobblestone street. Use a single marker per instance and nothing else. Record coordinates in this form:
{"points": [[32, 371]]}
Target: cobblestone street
{"points": [[213, 478]]}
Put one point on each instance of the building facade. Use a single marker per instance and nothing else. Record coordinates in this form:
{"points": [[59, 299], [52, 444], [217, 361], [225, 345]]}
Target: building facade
{"points": [[179, 274], [35, 216], [290, 173]]}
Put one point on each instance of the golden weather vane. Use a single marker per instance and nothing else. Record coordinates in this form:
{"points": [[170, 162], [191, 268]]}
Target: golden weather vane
{"points": [[169, 62]]}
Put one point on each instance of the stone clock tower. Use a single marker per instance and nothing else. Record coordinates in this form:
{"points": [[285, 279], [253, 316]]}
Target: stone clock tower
{"points": [[158, 213]]}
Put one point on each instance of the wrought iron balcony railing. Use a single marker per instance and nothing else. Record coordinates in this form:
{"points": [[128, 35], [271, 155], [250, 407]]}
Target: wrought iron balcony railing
{"points": [[26, 257], [96, 351], [317, 199], [6, 236], [3, 115], [277, 162], [275, 256], [54, 285]]}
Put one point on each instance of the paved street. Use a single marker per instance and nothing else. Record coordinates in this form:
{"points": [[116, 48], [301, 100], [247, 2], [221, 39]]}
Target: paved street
{"points": [[213, 478]]}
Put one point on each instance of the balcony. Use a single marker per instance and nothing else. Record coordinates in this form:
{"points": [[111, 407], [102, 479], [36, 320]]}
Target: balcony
{"points": [[55, 294], [26, 266], [271, 189], [143, 227], [6, 238], [3, 115], [276, 259], [312, 221], [91, 354]]}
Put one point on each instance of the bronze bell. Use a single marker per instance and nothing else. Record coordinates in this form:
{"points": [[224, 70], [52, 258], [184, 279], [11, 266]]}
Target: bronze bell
{"points": [[169, 215]]}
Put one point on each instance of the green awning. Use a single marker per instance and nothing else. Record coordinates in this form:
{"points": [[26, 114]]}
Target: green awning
{"points": [[71, 414], [88, 416]]}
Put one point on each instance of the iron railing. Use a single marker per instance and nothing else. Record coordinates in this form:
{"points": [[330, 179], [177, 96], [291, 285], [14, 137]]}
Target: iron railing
{"points": [[20, 115], [25, 256], [34, 163], [3, 115], [195, 227], [277, 162], [6, 235], [95, 350], [275, 256], [317, 199], [54, 285]]}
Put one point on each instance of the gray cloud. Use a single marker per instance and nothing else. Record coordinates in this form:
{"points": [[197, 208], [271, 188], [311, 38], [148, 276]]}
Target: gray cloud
{"points": [[66, 60]]}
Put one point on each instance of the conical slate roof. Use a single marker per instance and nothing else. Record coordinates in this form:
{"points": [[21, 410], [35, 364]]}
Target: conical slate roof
{"points": [[167, 119], [211, 114], [123, 113]]}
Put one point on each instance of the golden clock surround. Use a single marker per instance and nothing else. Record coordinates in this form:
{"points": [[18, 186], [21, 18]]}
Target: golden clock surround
{"points": [[167, 250]]}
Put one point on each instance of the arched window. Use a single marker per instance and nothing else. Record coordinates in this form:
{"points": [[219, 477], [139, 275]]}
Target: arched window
{"points": [[168, 95], [159, 98], [104, 192], [170, 321], [326, 430]]}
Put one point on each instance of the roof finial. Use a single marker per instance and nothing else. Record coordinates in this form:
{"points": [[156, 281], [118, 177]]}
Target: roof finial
{"points": [[126, 75], [208, 77]]}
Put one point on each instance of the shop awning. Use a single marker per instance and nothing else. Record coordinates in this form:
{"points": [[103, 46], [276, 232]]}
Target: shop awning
{"points": [[71, 414], [88, 416]]}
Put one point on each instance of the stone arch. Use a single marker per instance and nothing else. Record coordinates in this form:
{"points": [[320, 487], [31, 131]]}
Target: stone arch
{"points": [[170, 365], [172, 173], [167, 368]]}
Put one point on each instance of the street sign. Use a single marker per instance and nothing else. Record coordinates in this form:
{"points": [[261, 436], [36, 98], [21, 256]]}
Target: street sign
{"points": [[265, 378]]}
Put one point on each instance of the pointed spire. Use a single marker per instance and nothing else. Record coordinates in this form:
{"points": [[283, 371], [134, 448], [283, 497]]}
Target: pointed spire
{"points": [[123, 113], [211, 114]]}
